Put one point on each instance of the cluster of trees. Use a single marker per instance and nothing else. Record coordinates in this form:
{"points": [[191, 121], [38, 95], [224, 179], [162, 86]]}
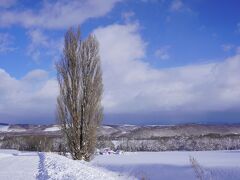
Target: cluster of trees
{"points": [[31, 143], [174, 143], [180, 143]]}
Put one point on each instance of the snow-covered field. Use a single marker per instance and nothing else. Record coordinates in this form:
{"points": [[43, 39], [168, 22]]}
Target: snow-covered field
{"points": [[219, 165], [216, 165], [15, 165]]}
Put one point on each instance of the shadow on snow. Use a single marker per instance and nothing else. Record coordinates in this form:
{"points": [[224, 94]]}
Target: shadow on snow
{"points": [[42, 171]]}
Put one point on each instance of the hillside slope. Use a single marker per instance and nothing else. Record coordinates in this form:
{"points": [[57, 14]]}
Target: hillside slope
{"points": [[189, 137]]}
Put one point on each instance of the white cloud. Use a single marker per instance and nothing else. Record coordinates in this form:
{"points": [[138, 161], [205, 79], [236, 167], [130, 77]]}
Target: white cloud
{"points": [[30, 98], [7, 3], [6, 43], [38, 38], [176, 5], [163, 52], [132, 85], [40, 42], [36, 75], [58, 14]]}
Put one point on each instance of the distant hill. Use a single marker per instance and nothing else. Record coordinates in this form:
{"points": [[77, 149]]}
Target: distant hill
{"points": [[127, 137], [131, 131]]}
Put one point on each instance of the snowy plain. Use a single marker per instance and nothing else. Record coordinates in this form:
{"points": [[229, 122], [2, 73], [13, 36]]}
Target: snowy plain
{"points": [[219, 165]]}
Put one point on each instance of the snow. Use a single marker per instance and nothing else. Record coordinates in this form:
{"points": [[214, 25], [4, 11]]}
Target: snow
{"points": [[116, 143], [163, 125], [129, 125], [60, 167], [16, 130], [107, 127], [219, 165], [16, 165], [7, 128], [4, 128], [52, 129]]}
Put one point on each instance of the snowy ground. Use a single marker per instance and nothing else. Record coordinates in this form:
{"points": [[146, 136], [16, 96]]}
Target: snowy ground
{"points": [[219, 165], [15, 165]]}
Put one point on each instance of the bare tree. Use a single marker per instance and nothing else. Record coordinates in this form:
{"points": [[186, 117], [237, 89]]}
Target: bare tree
{"points": [[79, 109]]}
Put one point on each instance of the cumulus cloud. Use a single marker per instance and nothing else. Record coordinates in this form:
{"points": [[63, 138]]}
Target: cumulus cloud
{"points": [[58, 14], [132, 85], [163, 52], [6, 43], [35, 75], [28, 100], [39, 42]]}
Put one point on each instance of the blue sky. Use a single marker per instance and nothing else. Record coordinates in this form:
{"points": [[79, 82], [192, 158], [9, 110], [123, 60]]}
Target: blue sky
{"points": [[164, 61]]}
